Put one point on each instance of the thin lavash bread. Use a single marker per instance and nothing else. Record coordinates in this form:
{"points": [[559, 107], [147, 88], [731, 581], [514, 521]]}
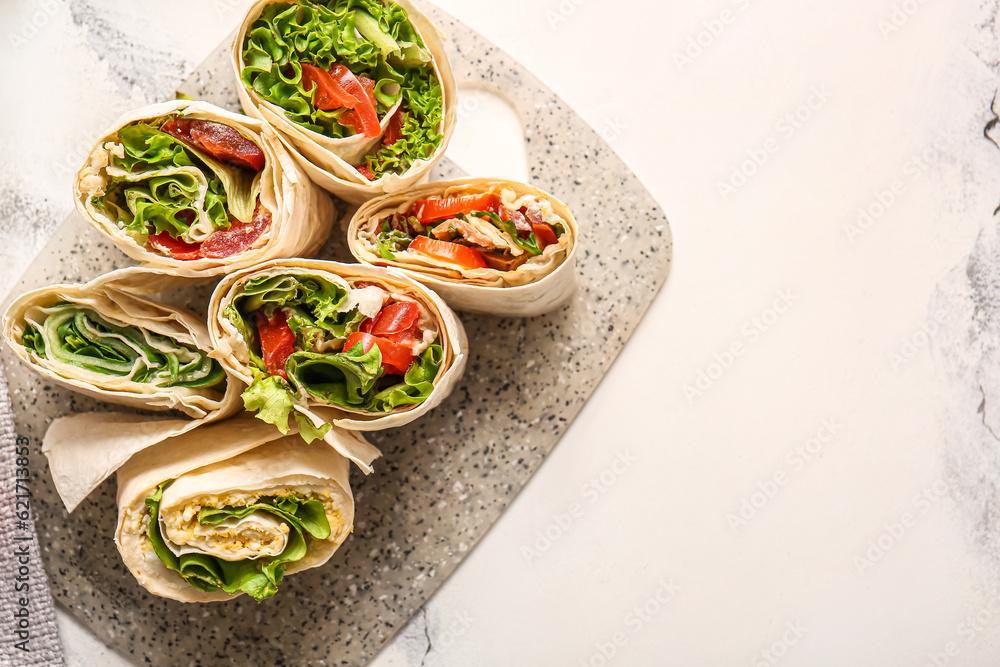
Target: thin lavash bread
{"points": [[328, 161], [79, 465], [538, 286], [301, 214]]}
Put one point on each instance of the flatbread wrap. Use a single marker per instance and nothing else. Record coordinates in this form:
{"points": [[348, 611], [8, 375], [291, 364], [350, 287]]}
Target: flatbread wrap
{"points": [[322, 343], [199, 190], [102, 340], [231, 509], [490, 246], [360, 90]]}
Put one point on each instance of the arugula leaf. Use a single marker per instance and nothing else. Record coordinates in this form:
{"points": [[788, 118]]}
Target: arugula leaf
{"points": [[389, 241], [529, 244]]}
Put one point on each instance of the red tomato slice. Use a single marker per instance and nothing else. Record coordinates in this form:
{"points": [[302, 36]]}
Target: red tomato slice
{"points": [[463, 256], [329, 95], [396, 318], [165, 244], [366, 172], [364, 118], [218, 140], [396, 359], [350, 118], [239, 237], [544, 235], [277, 342], [396, 322], [394, 130], [369, 87], [427, 210]]}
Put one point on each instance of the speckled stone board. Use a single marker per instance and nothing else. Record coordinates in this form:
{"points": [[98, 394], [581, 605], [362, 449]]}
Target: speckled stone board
{"points": [[443, 480]]}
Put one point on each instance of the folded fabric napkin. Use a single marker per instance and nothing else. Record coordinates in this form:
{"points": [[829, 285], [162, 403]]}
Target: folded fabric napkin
{"points": [[29, 635]]}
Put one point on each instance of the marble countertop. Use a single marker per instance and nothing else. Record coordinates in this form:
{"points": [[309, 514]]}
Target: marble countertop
{"points": [[794, 459]]}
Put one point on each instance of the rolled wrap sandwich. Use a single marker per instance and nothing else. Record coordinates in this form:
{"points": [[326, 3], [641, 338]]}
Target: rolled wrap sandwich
{"points": [[199, 190], [486, 245], [361, 90], [323, 343], [231, 509], [102, 340]]}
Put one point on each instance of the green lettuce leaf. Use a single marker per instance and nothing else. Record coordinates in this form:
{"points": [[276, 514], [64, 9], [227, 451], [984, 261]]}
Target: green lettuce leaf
{"points": [[417, 385], [372, 39], [307, 431], [307, 515], [322, 297], [423, 106], [82, 338], [313, 332], [351, 378], [167, 203], [390, 241], [311, 305], [239, 188], [34, 341], [345, 378], [162, 203], [270, 397]]}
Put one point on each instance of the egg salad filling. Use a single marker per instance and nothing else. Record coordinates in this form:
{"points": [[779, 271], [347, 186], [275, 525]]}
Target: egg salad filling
{"points": [[238, 541]]}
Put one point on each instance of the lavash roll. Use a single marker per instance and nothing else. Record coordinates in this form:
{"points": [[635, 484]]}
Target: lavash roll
{"points": [[540, 285], [85, 449], [232, 350], [328, 161], [231, 464], [301, 213]]}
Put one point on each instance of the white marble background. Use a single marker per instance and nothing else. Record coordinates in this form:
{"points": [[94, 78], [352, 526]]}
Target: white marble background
{"points": [[789, 464]]}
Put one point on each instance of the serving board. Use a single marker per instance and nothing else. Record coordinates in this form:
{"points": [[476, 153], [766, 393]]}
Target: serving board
{"points": [[444, 480]]}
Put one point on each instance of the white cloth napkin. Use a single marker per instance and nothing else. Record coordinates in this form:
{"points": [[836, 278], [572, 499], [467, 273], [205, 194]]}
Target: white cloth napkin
{"points": [[28, 632]]}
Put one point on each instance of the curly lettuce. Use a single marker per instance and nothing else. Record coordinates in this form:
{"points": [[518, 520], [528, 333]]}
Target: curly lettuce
{"points": [[373, 40], [423, 105], [159, 184]]}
